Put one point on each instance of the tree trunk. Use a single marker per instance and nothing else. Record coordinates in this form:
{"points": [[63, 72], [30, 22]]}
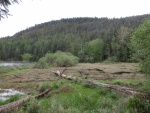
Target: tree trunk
{"points": [[8, 107], [109, 86]]}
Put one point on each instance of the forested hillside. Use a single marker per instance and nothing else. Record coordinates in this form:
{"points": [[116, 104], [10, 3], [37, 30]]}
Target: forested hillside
{"points": [[90, 39]]}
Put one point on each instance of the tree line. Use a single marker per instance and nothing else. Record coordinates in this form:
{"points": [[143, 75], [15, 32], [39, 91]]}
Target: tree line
{"points": [[90, 39]]}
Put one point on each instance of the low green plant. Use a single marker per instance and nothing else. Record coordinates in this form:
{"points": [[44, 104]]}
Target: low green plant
{"points": [[11, 99], [139, 104], [111, 59], [26, 57], [56, 85], [41, 63], [87, 85], [33, 106], [103, 91], [43, 87], [118, 83]]}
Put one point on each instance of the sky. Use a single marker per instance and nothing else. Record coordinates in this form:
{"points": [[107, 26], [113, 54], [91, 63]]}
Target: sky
{"points": [[32, 12]]}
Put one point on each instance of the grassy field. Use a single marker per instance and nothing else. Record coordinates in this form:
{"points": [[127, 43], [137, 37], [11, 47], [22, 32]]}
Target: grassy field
{"points": [[71, 96]]}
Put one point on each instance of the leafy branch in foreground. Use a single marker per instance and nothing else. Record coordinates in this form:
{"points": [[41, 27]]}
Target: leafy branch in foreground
{"points": [[4, 4]]}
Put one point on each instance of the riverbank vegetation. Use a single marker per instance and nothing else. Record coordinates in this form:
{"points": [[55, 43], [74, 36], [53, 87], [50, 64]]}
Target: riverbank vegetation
{"points": [[68, 96], [58, 59]]}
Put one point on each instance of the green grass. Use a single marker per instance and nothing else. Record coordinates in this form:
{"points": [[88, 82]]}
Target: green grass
{"points": [[8, 70], [81, 99], [11, 99]]}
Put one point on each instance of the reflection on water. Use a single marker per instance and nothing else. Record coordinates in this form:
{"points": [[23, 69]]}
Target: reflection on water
{"points": [[6, 93]]}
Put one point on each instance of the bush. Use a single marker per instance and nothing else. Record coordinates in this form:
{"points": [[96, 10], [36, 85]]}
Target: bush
{"points": [[111, 59], [43, 87], [145, 65], [41, 63], [139, 104], [33, 107], [59, 58]]}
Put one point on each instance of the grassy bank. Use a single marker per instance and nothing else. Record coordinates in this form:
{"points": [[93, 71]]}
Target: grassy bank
{"points": [[73, 97]]}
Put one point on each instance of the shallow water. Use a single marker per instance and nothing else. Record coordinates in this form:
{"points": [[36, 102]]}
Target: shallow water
{"points": [[13, 63], [6, 93]]}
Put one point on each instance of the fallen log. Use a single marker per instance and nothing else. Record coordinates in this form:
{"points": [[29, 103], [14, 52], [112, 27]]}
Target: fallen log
{"points": [[114, 87], [10, 106], [59, 73], [43, 93], [99, 84]]}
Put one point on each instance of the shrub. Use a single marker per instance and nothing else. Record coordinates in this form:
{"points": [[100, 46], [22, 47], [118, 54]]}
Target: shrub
{"points": [[139, 104], [26, 57], [59, 58], [43, 87], [111, 59], [41, 63], [33, 107]]}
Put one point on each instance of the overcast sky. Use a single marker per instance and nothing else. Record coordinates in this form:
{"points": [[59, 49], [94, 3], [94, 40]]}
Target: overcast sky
{"points": [[30, 12]]}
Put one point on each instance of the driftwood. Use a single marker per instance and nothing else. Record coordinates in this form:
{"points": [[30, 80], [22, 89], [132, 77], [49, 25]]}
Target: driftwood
{"points": [[112, 87], [9, 106], [60, 74]]}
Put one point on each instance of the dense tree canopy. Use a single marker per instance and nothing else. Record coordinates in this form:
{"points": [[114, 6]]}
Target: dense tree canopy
{"points": [[141, 44], [90, 39]]}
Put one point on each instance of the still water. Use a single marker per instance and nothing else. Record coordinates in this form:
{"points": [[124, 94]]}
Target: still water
{"points": [[6, 93], [13, 63]]}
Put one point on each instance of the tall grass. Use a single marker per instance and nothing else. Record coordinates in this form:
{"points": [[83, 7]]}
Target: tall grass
{"points": [[84, 99]]}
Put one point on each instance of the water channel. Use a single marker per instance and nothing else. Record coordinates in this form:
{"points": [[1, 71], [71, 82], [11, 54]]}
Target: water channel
{"points": [[7, 93], [14, 63]]}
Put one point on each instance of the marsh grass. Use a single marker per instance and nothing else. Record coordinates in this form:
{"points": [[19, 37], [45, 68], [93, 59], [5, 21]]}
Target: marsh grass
{"points": [[13, 69], [11, 99], [82, 99]]}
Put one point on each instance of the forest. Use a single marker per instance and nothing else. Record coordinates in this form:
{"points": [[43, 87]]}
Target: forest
{"points": [[90, 39]]}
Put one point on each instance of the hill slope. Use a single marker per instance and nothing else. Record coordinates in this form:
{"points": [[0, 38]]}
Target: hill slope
{"points": [[91, 39]]}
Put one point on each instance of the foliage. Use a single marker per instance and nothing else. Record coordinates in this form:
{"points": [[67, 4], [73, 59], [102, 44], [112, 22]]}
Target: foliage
{"points": [[32, 106], [11, 99], [4, 7], [41, 63], [57, 59], [90, 39], [43, 87], [140, 42], [111, 59], [94, 50], [26, 56], [139, 104]]}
